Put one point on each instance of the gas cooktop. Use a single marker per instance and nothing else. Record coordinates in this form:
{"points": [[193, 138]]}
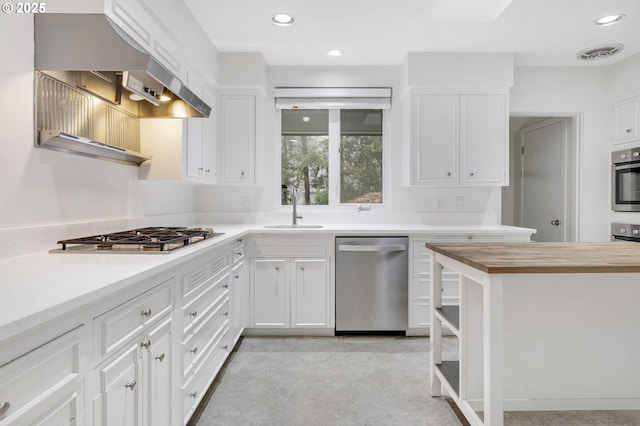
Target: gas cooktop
{"points": [[142, 240]]}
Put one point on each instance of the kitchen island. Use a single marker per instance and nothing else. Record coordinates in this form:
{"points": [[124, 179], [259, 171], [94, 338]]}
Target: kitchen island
{"points": [[541, 326]]}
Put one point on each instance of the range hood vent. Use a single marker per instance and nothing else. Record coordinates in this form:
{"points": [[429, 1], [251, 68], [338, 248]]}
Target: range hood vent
{"points": [[91, 42], [61, 141]]}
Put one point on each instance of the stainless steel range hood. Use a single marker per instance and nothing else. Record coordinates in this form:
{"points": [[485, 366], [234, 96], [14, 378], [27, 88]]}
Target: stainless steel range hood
{"points": [[91, 42]]}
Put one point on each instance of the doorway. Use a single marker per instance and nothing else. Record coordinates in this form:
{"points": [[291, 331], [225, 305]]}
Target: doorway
{"points": [[542, 194]]}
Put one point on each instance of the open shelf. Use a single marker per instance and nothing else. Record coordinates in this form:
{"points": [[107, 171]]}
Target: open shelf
{"points": [[450, 371], [450, 315]]}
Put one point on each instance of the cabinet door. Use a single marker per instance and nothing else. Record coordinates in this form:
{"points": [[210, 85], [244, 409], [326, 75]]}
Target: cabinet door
{"points": [[238, 135], [483, 140], [310, 298], [238, 298], [119, 404], [435, 139], [270, 293], [194, 141], [209, 159], [625, 120], [157, 363]]}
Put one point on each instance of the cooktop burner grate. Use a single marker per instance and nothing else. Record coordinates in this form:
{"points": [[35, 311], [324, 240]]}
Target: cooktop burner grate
{"points": [[141, 240]]}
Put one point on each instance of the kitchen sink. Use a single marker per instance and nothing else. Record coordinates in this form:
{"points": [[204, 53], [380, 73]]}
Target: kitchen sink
{"points": [[284, 226]]}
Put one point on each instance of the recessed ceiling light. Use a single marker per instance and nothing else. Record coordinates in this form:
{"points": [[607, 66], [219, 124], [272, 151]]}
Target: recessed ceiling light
{"points": [[608, 20], [334, 53], [282, 19]]}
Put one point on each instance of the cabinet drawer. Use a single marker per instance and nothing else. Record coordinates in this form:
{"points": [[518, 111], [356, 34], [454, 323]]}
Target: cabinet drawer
{"points": [[115, 327], [196, 385], [199, 276], [198, 308], [237, 251], [31, 378], [289, 247], [419, 249], [204, 335], [422, 286]]}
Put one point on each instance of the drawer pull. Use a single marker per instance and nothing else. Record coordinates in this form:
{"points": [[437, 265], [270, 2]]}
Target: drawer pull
{"points": [[239, 253], [146, 313], [160, 357], [239, 240], [236, 276], [194, 350], [225, 347], [146, 344], [225, 285], [194, 314], [225, 314], [130, 385], [193, 394], [4, 408]]}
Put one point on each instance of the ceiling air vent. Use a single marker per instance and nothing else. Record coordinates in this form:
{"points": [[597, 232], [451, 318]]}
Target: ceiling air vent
{"points": [[599, 52]]}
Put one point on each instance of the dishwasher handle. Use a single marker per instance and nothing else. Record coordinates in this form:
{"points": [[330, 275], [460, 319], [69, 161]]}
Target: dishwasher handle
{"points": [[372, 248]]}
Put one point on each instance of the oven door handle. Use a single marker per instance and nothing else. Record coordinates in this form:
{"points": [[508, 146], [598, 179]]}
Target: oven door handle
{"points": [[626, 166]]}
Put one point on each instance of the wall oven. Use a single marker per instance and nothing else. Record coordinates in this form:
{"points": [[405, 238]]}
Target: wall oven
{"points": [[625, 232], [625, 180]]}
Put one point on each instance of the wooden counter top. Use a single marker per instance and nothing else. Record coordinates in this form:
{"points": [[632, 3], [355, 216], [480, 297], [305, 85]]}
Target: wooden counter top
{"points": [[532, 257]]}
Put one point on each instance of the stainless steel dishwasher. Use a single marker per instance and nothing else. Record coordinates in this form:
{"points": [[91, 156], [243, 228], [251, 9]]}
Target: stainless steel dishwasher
{"points": [[372, 285]]}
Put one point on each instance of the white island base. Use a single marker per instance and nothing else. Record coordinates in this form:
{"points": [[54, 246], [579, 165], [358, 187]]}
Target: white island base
{"points": [[537, 341]]}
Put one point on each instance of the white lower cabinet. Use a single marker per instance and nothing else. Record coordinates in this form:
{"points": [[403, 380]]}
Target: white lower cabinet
{"points": [[45, 386], [136, 384], [290, 292], [420, 275]]}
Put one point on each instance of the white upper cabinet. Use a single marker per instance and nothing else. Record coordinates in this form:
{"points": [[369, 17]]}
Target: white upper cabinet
{"points": [[626, 117], [435, 136], [483, 140], [238, 138], [200, 142], [459, 139]]}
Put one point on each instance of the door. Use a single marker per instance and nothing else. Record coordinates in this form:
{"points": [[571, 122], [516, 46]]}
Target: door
{"points": [[483, 140], [435, 139], [544, 179], [310, 293], [270, 293]]}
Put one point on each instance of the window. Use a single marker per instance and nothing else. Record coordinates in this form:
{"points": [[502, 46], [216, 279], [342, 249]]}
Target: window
{"points": [[321, 148]]}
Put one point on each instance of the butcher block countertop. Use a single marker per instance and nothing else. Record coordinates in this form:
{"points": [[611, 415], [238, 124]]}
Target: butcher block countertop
{"points": [[534, 258]]}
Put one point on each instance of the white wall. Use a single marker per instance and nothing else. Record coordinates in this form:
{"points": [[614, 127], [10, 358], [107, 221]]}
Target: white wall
{"points": [[43, 187], [583, 92]]}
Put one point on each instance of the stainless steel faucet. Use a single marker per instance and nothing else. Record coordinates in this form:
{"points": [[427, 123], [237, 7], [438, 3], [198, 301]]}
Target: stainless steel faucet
{"points": [[295, 216]]}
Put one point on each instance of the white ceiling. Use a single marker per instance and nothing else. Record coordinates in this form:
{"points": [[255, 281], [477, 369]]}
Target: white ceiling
{"points": [[381, 32]]}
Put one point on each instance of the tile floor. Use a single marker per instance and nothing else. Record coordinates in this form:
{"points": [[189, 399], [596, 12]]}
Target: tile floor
{"points": [[350, 381]]}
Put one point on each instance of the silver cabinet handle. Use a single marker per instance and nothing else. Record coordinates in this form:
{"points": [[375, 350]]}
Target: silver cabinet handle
{"points": [[225, 286], [236, 276], [555, 222], [448, 173], [277, 268], [239, 240], [194, 350], [146, 344], [225, 347], [194, 314], [131, 385], [208, 170], [4, 408], [471, 174], [225, 314], [200, 168], [302, 268], [629, 130], [193, 394], [160, 357], [146, 313], [357, 247]]}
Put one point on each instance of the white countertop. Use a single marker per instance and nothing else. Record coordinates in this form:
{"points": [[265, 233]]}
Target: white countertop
{"points": [[39, 287]]}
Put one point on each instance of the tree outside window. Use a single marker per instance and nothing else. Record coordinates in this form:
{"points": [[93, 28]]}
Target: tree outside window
{"points": [[305, 154]]}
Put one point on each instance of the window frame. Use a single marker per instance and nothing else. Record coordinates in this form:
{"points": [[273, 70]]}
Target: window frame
{"points": [[334, 166]]}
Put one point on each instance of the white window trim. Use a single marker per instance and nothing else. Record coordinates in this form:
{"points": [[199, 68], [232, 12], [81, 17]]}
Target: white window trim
{"points": [[334, 182]]}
